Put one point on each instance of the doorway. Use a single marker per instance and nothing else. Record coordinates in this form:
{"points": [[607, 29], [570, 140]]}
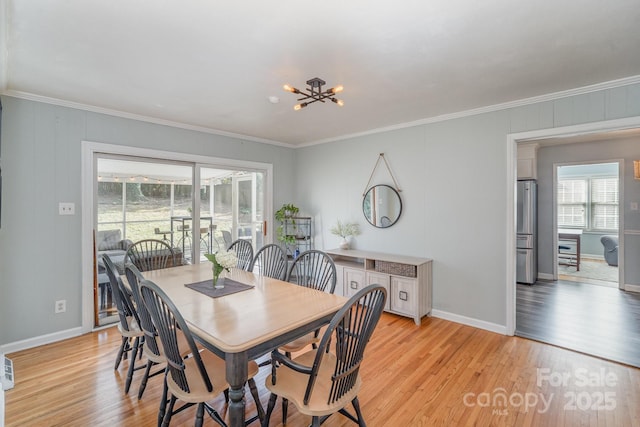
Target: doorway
{"points": [[587, 201]]}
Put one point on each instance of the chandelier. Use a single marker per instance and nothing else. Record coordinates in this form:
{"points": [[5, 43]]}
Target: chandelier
{"points": [[315, 93]]}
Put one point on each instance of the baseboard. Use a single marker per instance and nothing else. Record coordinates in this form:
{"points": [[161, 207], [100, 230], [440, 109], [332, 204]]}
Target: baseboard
{"points": [[632, 288], [469, 321], [545, 276], [41, 340]]}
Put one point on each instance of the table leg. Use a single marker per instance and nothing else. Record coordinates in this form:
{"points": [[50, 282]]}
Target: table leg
{"points": [[236, 367]]}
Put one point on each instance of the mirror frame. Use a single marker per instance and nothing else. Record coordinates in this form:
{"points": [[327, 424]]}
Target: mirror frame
{"points": [[399, 201]]}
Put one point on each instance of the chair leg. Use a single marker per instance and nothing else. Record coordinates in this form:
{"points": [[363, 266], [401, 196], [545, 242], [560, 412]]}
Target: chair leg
{"points": [[120, 352], [270, 406], [256, 398], [132, 363], [145, 377], [163, 401], [200, 414], [169, 412], [285, 409], [315, 422], [214, 414], [356, 406]]}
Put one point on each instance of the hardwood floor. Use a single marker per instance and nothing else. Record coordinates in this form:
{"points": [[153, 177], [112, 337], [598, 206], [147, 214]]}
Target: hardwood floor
{"points": [[440, 373], [597, 320]]}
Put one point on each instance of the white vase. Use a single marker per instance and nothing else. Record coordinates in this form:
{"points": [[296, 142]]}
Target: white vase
{"points": [[344, 243]]}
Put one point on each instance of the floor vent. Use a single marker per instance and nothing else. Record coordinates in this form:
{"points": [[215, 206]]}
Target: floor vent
{"points": [[7, 375]]}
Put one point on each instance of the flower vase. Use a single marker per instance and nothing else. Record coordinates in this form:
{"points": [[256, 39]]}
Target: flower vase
{"points": [[218, 279], [344, 243]]}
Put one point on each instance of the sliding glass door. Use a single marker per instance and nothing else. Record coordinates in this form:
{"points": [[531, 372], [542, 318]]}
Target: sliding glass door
{"points": [[142, 198]]}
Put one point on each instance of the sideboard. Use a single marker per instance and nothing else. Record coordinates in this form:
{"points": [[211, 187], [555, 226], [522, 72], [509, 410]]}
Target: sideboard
{"points": [[406, 279]]}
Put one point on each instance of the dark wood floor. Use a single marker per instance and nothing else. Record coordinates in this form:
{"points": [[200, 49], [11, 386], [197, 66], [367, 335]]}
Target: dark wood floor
{"points": [[596, 320]]}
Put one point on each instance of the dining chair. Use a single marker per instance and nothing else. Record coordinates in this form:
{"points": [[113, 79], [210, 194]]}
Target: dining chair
{"points": [[244, 251], [129, 325], [151, 254], [325, 380], [196, 379], [152, 348], [271, 261]]}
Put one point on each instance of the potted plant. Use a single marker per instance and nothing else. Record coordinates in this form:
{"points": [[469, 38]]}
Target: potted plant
{"points": [[345, 230], [287, 211]]}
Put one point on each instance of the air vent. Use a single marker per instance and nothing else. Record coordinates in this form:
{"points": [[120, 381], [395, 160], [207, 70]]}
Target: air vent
{"points": [[7, 375]]}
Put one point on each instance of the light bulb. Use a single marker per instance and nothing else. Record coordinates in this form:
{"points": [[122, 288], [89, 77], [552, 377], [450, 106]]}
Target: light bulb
{"points": [[297, 107], [337, 89], [289, 88], [340, 102]]}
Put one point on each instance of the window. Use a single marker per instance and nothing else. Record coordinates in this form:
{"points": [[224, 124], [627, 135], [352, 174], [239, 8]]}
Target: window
{"points": [[590, 203]]}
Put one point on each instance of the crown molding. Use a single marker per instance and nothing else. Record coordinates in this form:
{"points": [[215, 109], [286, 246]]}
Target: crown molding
{"points": [[488, 109]]}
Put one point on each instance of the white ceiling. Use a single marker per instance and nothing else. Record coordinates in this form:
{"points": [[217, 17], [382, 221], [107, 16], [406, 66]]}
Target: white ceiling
{"points": [[213, 64]]}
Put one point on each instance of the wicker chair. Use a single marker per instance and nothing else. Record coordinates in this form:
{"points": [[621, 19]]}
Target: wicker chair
{"points": [[196, 379], [324, 381], [271, 261], [244, 250]]}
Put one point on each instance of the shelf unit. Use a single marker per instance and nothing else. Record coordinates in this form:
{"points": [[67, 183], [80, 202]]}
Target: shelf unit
{"points": [[406, 279], [300, 228]]}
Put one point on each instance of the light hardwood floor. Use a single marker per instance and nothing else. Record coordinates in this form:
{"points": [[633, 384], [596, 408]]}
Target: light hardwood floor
{"points": [[437, 374]]}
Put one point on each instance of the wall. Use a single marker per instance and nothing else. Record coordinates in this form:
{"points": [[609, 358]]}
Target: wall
{"points": [[608, 149], [453, 177], [40, 250]]}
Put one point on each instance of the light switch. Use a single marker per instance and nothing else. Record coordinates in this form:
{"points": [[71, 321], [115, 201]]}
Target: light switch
{"points": [[634, 206], [67, 208]]}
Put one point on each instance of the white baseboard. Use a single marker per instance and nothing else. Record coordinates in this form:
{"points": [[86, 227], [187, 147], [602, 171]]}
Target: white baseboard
{"points": [[41, 340], [545, 276], [632, 288], [469, 321]]}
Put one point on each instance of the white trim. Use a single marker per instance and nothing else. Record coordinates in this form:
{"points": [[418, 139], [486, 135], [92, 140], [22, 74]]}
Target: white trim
{"points": [[631, 232], [512, 140], [469, 321], [89, 149], [456, 115], [125, 115], [488, 109], [545, 276], [632, 288], [40, 340]]}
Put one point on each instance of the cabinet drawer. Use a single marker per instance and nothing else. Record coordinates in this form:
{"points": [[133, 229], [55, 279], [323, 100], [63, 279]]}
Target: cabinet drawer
{"points": [[403, 297], [353, 281]]}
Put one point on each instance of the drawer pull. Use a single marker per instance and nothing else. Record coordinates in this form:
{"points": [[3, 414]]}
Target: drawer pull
{"points": [[404, 296], [354, 284]]}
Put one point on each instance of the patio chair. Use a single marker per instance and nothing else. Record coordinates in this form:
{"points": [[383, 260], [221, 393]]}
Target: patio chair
{"points": [[324, 381]]}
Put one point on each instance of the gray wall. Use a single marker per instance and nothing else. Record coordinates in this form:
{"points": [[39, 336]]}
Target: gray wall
{"points": [[452, 175], [611, 149], [454, 184], [40, 259]]}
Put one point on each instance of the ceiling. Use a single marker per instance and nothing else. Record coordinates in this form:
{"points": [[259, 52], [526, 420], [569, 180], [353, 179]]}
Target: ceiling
{"points": [[212, 65]]}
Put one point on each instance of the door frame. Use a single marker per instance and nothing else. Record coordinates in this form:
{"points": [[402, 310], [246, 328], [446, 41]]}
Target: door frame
{"points": [[511, 180], [88, 150]]}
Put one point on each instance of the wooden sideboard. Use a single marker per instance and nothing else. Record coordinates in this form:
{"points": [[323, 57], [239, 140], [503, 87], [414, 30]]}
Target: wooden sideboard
{"points": [[406, 279]]}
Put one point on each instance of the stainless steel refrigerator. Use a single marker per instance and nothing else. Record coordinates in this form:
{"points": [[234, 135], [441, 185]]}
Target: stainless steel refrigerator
{"points": [[526, 238]]}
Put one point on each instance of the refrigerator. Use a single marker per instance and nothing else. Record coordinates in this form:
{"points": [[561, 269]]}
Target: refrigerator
{"points": [[526, 237]]}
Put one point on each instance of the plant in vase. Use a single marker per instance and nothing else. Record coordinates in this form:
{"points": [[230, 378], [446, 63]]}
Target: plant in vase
{"points": [[222, 261], [287, 211], [345, 230]]}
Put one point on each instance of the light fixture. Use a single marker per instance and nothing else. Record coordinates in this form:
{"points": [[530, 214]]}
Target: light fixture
{"points": [[636, 169], [315, 93]]}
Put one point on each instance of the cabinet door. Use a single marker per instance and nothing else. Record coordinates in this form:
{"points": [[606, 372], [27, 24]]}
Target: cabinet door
{"points": [[353, 281], [404, 295], [381, 279]]}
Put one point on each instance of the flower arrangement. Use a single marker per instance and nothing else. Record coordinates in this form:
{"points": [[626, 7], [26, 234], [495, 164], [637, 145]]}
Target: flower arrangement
{"points": [[222, 261], [345, 229]]}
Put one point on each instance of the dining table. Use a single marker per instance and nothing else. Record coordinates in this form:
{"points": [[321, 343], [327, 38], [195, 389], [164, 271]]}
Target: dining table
{"points": [[244, 325]]}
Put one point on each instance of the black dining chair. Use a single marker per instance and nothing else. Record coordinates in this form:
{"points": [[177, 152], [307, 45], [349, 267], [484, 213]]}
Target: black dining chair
{"points": [[270, 261], [244, 251]]}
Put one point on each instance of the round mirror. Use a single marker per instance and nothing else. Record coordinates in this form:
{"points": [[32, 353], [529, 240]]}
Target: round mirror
{"points": [[382, 206]]}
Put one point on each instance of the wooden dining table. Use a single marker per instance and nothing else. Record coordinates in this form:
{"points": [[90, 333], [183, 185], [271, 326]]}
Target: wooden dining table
{"points": [[248, 324]]}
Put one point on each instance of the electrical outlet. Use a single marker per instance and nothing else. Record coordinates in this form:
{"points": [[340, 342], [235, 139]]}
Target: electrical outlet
{"points": [[61, 306], [67, 208]]}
